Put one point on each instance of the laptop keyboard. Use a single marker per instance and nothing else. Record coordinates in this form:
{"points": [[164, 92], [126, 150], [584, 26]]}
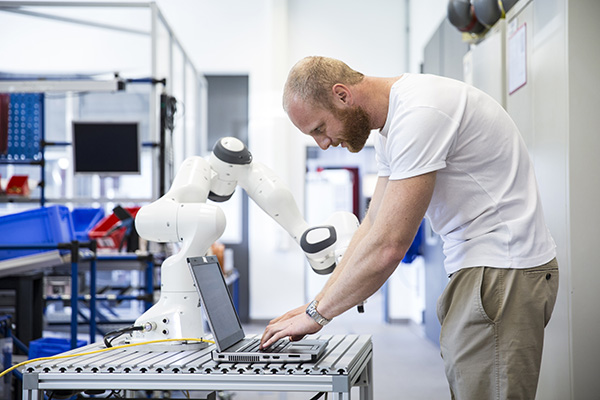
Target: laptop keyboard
{"points": [[274, 348]]}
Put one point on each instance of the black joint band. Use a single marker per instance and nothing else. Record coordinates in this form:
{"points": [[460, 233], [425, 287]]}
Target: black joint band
{"points": [[313, 248], [217, 198]]}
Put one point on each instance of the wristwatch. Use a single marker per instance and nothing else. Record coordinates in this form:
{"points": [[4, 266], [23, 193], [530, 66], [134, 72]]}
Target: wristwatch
{"points": [[312, 312]]}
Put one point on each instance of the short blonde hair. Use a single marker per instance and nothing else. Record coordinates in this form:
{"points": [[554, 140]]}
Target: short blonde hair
{"points": [[312, 78]]}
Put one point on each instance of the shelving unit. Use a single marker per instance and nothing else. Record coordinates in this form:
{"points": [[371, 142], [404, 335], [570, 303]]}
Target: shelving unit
{"points": [[29, 282], [33, 312], [164, 73], [23, 142], [95, 319], [88, 87], [165, 69]]}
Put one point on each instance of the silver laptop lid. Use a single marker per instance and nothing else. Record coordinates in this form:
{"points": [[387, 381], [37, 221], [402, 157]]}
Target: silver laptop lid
{"points": [[216, 300]]}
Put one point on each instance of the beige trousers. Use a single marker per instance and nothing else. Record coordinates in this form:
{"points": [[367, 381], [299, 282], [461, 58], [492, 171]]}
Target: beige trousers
{"points": [[492, 333]]}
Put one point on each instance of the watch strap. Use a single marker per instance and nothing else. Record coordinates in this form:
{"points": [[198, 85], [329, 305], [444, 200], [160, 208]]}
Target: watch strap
{"points": [[312, 312]]}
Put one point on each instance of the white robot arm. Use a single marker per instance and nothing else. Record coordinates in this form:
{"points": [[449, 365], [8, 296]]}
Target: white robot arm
{"points": [[182, 215], [323, 244]]}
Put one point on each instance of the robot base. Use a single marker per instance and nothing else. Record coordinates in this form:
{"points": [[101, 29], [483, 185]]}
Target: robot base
{"points": [[175, 316]]}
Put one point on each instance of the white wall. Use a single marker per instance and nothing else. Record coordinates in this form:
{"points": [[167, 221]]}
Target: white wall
{"points": [[584, 188], [369, 37], [425, 17]]}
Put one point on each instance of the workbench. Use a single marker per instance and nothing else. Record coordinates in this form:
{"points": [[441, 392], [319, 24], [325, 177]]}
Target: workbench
{"points": [[347, 362]]}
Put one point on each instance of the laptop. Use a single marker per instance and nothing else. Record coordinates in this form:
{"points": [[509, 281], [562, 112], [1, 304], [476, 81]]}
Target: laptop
{"points": [[232, 345]]}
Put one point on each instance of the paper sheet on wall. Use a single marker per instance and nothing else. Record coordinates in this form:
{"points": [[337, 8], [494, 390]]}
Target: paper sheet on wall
{"points": [[517, 59]]}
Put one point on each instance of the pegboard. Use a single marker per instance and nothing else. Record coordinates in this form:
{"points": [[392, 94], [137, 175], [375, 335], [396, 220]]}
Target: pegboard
{"points": [[25, 128]]}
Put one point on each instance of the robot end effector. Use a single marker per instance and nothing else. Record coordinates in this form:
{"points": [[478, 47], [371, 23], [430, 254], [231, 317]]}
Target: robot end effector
{"points": [[325, 245]]}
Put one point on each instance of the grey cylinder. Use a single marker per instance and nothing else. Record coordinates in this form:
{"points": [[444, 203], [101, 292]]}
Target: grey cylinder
{"points": [[488, 12], [462, 16]]}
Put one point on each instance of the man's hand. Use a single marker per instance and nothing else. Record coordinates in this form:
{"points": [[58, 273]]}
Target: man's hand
{"points": [[295, 327], [290, 314]]}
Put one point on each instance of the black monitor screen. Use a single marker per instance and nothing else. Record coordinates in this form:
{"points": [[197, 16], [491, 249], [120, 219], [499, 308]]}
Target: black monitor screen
{"points": [[106, 148]]}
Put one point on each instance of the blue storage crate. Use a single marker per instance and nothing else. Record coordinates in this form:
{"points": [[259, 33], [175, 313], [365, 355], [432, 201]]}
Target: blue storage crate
{"points": [[47, 347], [41, 226], [84, 219]]}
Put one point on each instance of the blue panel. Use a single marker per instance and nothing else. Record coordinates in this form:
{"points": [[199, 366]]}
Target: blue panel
{"points": [[25, 127]]}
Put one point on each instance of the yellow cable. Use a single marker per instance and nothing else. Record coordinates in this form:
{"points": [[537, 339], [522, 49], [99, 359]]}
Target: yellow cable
{"points": [[101, 351]]}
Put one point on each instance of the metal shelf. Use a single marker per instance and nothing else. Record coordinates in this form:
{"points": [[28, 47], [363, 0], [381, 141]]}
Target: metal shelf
{"points": [[75, 257]]}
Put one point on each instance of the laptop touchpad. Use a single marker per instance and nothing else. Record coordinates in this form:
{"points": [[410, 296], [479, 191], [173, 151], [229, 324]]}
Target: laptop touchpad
{"points": [[300, 347]]}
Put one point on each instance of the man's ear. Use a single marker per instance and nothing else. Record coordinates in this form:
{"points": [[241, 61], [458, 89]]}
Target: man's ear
{"points": [[342, 94]]}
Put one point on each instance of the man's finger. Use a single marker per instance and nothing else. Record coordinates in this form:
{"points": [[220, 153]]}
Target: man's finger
{"points": [[270, 331], [270, 340]]}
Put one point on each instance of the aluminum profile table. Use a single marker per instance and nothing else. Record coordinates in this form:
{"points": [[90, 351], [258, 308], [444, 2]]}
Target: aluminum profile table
{"points": [[347, 362]]}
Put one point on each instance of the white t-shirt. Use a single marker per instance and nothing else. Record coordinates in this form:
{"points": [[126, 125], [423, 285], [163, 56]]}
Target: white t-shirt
{"points": [[485, 204]]}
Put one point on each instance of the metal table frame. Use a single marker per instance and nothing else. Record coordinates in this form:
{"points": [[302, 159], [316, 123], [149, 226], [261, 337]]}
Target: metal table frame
{"points": [[348, 362]]}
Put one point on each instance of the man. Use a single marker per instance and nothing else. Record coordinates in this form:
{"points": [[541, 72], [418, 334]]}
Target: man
{"points": [[448, 151]]}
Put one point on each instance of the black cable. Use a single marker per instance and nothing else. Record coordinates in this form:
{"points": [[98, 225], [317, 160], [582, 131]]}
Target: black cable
{"points": [[317, 396], [118, 332]]}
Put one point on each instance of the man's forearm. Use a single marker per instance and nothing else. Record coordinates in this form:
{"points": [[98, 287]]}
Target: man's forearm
{"points": [[370, 269]]}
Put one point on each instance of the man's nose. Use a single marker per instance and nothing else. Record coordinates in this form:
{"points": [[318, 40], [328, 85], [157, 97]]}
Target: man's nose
{"points": [[323, 142]]}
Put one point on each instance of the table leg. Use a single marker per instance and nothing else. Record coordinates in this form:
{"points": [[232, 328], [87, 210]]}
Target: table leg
{"points": [[366, 388], [341, 395], [33, 394]]}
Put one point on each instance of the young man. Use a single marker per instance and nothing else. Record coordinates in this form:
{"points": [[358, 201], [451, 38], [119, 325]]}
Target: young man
{"points": [[447, 151]]}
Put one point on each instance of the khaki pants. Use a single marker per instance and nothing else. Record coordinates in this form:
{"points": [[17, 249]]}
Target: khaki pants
{"points": [[492, 333]]}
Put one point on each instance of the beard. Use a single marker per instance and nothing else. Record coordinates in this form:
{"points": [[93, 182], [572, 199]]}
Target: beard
{"points": [[356, 127]]}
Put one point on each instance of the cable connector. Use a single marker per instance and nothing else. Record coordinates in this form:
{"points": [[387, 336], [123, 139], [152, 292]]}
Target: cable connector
{"points": [[148, 326]]}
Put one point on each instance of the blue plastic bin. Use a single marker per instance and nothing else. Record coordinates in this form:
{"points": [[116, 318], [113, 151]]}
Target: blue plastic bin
{"points": [[84, 219], [46, 347], [41, 226]]}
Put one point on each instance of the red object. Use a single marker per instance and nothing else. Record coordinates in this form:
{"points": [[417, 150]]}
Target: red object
{"points": [[102, 233], [18, 185]]}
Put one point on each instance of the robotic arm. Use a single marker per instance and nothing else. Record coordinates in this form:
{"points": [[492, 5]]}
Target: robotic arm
{"points": [[233, 166], [182, 215]]}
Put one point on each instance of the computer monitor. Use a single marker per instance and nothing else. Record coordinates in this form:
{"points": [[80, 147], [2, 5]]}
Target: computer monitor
{"points": [[106, 148]]}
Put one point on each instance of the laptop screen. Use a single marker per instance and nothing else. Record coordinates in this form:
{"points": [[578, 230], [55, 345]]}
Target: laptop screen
{"points": [[218, 306]]}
